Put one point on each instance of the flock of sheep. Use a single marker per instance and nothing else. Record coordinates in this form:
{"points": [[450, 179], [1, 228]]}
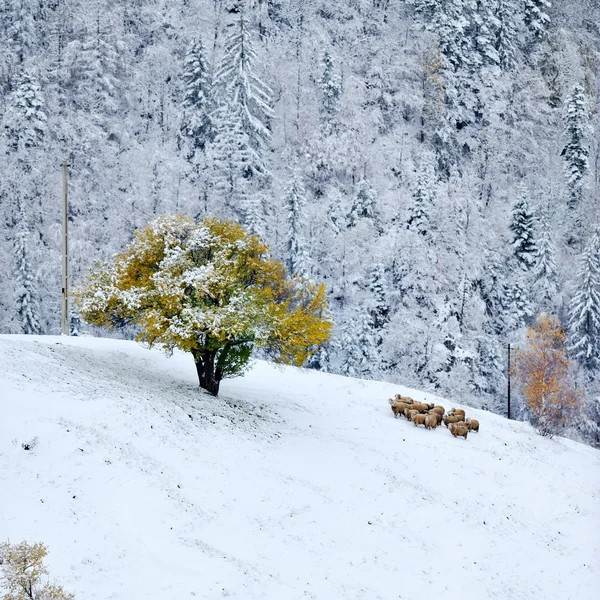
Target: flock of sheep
{"points": [[432, 415]]}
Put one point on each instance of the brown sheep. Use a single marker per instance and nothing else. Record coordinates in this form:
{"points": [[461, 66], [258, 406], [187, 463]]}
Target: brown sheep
{"points": [[457, 411], [452, 419], [473, 425], [411, 413], [407, 400], [437, 416], [457, 429], [397, 409], [419, 419], [439, 409], [431, 421]]}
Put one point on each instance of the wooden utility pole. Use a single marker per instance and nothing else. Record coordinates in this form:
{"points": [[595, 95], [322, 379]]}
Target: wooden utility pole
{"points": [[508, 376], [64, 316]]}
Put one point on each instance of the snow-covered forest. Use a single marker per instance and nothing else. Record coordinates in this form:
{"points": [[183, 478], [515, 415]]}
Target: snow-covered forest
{"points": [[435, 162]]}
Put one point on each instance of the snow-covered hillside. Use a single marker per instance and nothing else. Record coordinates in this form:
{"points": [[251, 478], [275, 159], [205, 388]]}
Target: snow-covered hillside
{"points": [[292, 484]]}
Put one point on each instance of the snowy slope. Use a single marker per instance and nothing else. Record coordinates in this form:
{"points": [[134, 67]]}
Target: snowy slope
{"points": [[292, 484]]}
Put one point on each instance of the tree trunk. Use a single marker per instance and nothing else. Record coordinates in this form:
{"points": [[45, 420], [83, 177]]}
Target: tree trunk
{"points": [[207, 376]]}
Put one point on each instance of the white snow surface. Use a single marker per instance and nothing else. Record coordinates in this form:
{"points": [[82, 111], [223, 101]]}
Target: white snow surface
{"points": [[292, 484]]}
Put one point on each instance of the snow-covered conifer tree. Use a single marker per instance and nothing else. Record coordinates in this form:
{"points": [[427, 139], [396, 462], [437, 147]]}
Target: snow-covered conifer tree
{"points": [[363, 205], [253, 217], [516, 305], [379, 303], [523, 243], [575, 152], [94, 73], [537, 18], [331, 90], [25, 120], [232, 160], [545, 264], [27, 295], [584, 308], [21, 15], [357, 344], [295, 202], [423, 198], [246, 96], [506, 33], [196, 123]]}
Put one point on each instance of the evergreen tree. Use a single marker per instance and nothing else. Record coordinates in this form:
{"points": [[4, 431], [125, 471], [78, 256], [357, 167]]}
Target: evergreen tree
{"points": [[363, 205], [232, 160], [485, 27], [358, 345], [423, 198], [379, 307], [517, 306], [25, 120], [295, 201], [196, 124], [27, 295], [506, 34], [575, 153], [584, 308], [247, 97], [331, 89], [524, 247], [254, 214], [21, 15], [545, 264], [320, 361], [537, 18], [94, 74]]}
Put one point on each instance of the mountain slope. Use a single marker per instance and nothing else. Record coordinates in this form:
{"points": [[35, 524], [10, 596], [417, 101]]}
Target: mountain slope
{"points": [[292, 484]]}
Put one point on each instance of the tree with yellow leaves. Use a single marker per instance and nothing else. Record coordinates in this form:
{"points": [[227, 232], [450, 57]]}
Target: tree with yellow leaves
{"points": [[544, 373], [211, 289], [22, 570]]}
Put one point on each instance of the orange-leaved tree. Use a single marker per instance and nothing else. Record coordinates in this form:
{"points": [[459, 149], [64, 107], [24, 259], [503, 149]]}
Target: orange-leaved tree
{"points": [[544, 373], [211, 289]]}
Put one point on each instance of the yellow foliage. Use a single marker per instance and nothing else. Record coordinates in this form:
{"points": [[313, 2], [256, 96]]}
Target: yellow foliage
{"points": [[543, 371], [206, 286], [23, 571]]}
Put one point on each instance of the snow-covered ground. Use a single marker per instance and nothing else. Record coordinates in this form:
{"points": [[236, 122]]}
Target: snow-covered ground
{"points": [[291, 485]]}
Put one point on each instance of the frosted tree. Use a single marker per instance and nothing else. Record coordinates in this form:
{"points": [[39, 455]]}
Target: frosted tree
{"points": [[485, 26], [423, 199], [575, 152], [246, 96], [363, 204], [21, 15], [232, 160], [94, 74], [196, 124], [379, 306], [358, 345], [254, 215], [295, 202], [537, 18], [331, 90], [27, 294], [517, 306], [523, 243], [506, 34], [544, 271], [25, 120], [584, 308]]}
